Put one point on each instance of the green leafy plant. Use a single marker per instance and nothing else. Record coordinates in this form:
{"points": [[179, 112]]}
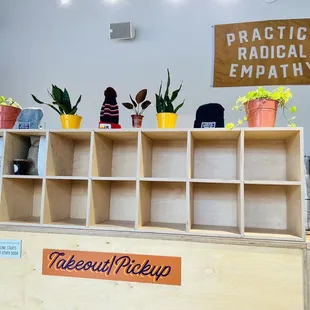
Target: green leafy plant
{"points": [[164, 102], [61, 101], [140, 104], [9, 102], [281, 95]]}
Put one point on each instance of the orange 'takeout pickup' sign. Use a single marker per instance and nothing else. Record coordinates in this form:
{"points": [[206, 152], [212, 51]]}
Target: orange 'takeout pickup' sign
{"points": [[112, 266]]}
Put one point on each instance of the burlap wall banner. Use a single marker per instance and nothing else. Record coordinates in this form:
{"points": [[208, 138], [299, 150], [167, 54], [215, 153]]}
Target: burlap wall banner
{"points": [[262, 53]]}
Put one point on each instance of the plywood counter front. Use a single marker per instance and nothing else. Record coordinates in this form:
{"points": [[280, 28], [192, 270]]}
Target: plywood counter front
{"points": [[229, 204], [214, 276]]}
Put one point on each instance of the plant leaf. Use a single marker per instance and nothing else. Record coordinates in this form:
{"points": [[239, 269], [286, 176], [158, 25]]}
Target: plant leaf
{"points": [[57, 93], [66, 100], [176, 93], [16, 105], [37, 100], [56, 103], [179, 106], [63, 108], [141, 95], [51, 95], [78, 101], [293, 109], [133, 102], [128, 105], [145, 104], [230, 126], [161, 85], [74, 109], [168, 85], [160, 105], [169, 107]]}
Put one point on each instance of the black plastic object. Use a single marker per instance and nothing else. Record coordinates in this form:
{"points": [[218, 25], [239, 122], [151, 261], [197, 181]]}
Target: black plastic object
{"points": [[210, 115], [21, 166]]}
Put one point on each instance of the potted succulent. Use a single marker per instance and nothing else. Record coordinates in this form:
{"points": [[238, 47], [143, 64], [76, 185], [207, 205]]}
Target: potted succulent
{"points": [[261, 107], [9, 112], [138, 106], [166, 112], [62, 105]]}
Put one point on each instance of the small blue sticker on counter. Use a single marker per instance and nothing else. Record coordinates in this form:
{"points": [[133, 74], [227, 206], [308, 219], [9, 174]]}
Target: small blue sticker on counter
{"points": [[10, 248]]}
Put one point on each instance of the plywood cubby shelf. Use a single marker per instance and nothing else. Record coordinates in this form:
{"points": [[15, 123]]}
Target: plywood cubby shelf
{"points": [[244, 183]]}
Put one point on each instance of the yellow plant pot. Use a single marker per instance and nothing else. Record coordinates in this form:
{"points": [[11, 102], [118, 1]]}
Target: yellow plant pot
{"points": [[70, 121], [166, 120]]}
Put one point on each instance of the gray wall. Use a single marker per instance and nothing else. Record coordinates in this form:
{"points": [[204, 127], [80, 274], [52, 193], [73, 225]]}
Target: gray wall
{"points": [[43, 43]]}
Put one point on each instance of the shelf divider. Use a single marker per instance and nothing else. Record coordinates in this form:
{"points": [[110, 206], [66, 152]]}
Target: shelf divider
{"points": [[189, 189]]}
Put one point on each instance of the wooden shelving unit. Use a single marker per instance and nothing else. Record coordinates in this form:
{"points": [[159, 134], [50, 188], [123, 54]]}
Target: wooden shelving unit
{"points": [[244, 183]]}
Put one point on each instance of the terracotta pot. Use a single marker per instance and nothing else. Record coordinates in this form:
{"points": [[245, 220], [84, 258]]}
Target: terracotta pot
{"points": [[261, 113], [8, 116], [137, 121]]}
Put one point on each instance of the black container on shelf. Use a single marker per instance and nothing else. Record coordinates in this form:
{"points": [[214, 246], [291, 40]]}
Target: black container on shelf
{"points": [[21, 166]]}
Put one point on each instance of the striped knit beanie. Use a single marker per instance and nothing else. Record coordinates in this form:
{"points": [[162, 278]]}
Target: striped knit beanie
{"points": [[109, 109]]}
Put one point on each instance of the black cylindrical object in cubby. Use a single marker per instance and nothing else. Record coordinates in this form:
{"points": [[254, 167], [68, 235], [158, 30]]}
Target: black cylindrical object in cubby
{"points": [[21, 166]]}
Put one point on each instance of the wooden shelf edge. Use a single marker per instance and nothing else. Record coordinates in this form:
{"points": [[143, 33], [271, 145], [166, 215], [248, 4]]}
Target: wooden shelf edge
{"points": [[272, 236], [130, 179], [173, 180], [185, 237], [130, 129], [73, 178], [215, 181], [279, 183], [114, 225], [26, 132], [216, 231], [24, 177]]}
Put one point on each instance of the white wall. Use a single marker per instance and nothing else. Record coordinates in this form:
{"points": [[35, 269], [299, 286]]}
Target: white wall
{"points": [[43, 43]]}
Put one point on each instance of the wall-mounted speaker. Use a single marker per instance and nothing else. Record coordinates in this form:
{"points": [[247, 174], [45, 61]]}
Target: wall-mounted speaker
{"points": [[122, 31]]}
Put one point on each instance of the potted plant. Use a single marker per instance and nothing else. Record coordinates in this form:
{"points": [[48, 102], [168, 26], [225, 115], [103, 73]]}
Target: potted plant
{"points": [[166, 113], [261, 107], [9, 112], [62, 105], [138, 106]]}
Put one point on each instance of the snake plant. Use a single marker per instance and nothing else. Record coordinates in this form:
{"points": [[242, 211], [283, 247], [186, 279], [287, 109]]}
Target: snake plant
{"points": [[164, 101], [61, 102]]}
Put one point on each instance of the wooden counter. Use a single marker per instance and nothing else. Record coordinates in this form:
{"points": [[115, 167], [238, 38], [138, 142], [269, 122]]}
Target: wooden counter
{"points": [[229, 203], [214, 276]]}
